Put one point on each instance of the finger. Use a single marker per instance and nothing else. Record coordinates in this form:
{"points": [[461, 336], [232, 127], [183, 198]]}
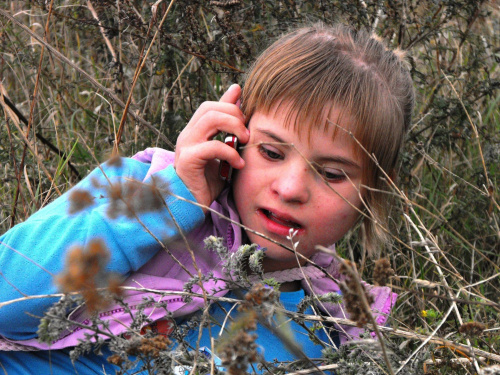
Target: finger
{"points": [[214, 122], [232, 94], [205, 152], [229, 108]]}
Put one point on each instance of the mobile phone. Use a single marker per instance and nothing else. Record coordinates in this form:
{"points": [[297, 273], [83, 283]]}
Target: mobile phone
{"points": [[225, 169]]}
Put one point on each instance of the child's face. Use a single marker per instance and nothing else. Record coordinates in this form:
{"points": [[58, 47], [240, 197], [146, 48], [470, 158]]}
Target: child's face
{"points": [[278, 189]]}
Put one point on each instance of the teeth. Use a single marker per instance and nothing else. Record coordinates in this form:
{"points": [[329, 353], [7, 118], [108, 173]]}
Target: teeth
{"points": [[281, 221]]}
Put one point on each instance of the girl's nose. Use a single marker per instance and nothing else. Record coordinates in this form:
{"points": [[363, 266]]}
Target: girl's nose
{"points": [[290, 183]]}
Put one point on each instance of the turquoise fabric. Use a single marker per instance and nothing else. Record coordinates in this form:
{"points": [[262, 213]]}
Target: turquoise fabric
{"points": [[33, 252], [56, 362]]}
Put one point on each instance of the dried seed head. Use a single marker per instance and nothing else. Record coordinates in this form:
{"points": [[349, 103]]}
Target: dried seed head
{"points": [[354, 304], [472, 329], [86, 273], [115, 160], [149, 347], [79, 200], [347, 267], [115, 359], [238, 353], [382, 272], [115, 192], [352, 300], [262, 299], [130, 198]]}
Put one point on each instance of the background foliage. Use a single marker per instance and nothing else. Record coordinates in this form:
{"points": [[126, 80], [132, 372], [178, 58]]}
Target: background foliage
{"points": [[57, 123]]}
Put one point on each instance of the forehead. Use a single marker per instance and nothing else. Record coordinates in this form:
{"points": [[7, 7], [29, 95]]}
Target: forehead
{"points": [[331, 122], [323, 145]]}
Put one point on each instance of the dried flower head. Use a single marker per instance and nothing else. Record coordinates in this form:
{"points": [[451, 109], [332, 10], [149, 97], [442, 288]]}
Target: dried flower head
{"points": [[352, 300], [115, 160], [130, 198], [236, 354], [79, 200], [255, 261], [86, 273], [472, 329], [318, 300], [149, 347], [115, 359], [353, 303], [346, 267], [262, 299], [238, 348], [382, 272], [216, 244]]}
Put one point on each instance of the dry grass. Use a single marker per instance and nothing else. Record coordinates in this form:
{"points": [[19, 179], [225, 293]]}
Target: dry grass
{"points": [[68, 69]]}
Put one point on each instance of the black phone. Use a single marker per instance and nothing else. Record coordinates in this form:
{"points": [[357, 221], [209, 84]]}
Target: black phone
{"points": [[225, 169]]}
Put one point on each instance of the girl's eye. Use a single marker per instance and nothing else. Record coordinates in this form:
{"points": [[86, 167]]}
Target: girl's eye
{"points": [[332, 174], [270, 152]]}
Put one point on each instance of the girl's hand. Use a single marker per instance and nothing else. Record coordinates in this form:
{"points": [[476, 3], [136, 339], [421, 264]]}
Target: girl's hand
{"points": [[196, 153]]}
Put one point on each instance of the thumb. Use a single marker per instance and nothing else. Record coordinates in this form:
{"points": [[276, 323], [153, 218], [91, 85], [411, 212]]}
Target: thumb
{"points": [[232, 94]]}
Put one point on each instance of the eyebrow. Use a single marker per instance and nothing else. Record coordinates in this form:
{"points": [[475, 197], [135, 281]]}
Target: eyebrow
{"points": [[333, 159]]}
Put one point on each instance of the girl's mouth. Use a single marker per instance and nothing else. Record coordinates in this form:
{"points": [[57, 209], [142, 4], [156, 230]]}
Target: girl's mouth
{"points": [[280, 220]]}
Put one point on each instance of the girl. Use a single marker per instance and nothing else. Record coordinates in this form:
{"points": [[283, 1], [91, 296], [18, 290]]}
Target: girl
{"points": [[315, 104]]}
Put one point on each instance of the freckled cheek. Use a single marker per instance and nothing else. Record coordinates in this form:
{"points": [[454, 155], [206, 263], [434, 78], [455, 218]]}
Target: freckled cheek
{"points": [[350, 208], [351, 202], [341, 212]]}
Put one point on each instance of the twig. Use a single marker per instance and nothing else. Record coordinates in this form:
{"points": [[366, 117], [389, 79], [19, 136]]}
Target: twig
{"points": [[400, 333], [250, 230], [142, 61], [392, 185], [30, 121], [444, 281], [429, 338], [37, 157], [101, 29], [42, 139], [160, 243], [487, 302], [377, 16], [25, 257], [465, 34], [431, 161], [91, 79], [203, 57], [366, 306], [476, 134], [313, 318], [165, 97]]}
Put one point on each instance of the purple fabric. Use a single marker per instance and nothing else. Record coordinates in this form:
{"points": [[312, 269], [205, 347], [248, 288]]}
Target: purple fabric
{"points": [[164, 273]]}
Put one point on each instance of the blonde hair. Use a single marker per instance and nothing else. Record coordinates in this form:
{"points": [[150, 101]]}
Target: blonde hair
{"points": [[319, 67]]}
